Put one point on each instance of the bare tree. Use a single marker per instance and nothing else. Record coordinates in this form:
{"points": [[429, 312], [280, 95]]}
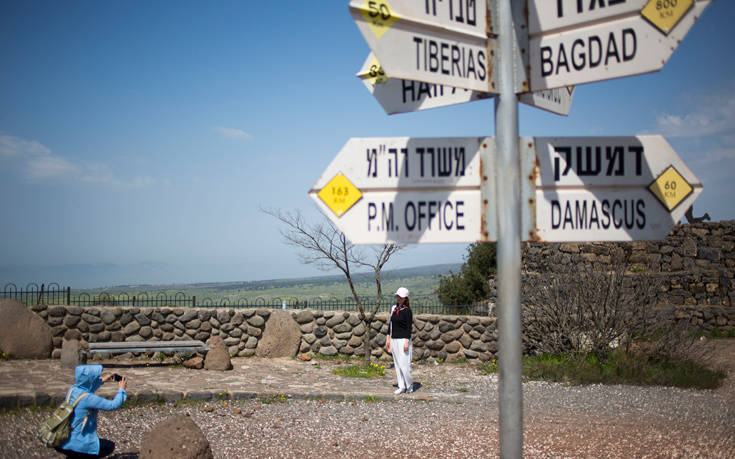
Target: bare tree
{"points": [[583, 310], [324, 246], [586, 311]]}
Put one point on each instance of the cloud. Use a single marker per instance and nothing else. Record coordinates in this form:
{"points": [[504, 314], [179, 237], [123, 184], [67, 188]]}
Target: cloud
{"points": [[233, 133], [48, 167], [703, 134], [102, 174], [36, 163], [11, 146], [34, 160], [717, 155], [714, 114]]}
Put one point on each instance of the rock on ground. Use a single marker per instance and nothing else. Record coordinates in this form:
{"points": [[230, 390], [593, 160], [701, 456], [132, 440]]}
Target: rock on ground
{"points": [[24, 335], [177, 436], [72, 353], [217, 358], [281, 337], [194, 363]]}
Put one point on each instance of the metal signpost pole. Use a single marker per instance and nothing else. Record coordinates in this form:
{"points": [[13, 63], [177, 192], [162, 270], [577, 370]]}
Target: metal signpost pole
{"points": [[507, 170]]}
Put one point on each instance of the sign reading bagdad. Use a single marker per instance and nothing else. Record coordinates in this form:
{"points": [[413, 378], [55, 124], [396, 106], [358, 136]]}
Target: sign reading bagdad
{"points": [[573, 41], [442, 42]]}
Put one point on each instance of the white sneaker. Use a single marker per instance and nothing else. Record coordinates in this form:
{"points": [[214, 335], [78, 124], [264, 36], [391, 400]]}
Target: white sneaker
{"points": [[399, 391]]}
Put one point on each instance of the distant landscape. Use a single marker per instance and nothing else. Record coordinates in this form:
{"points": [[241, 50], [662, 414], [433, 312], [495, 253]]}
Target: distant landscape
{"points": [[421, 282]]}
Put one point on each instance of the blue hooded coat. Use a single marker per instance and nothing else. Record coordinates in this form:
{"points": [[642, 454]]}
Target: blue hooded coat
{"points": [[83, 438]]}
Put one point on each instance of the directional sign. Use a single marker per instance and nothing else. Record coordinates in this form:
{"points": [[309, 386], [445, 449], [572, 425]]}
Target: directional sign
{"points": [[610, 188], [405, 190], [397, 95], [557, 100], [434, 41], [573, 42]]}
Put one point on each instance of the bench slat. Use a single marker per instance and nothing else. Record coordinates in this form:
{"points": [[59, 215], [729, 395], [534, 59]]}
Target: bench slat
{"points": [[147, 349], [146, 346]]}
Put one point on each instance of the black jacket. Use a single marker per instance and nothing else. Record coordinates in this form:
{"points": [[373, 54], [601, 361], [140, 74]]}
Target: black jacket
{"points": [[401, 322]]}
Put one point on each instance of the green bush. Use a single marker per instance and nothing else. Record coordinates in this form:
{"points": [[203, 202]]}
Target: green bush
{"points": [[619, 367], [470, 284], [718, 333]]}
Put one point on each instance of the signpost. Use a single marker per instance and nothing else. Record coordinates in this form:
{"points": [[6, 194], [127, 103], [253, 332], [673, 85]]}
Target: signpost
{"points": [[433, 53], [397, 95], [573, 42], [441, 42]]}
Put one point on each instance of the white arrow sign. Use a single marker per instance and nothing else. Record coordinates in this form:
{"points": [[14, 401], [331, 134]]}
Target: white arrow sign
{"points": [[404, 190], [402, 96], [397, 95], [557, 100], [441, 42], [573, 42], [610, 188]]}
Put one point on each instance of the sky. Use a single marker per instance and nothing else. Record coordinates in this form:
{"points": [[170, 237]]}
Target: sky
{"points": [[140, 140]]}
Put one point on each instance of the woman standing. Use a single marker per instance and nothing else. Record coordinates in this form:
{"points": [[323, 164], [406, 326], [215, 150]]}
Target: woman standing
{"points": [[399, 340]]}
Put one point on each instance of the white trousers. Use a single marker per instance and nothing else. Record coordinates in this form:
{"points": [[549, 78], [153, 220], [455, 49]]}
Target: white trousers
{"points": [[402, 362]]}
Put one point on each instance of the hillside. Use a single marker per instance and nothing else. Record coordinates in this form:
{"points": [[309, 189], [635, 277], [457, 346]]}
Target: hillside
{"points": [[421, 281]]}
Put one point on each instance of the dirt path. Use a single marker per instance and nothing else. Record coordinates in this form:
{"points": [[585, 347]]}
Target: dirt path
{"points": [[723, 358], [454, 414]]}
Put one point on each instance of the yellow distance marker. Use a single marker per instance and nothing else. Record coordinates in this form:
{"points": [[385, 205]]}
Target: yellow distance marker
{"points": [[670, 188], [339, 194], [375, 74], [379, 15], [665, 14]]}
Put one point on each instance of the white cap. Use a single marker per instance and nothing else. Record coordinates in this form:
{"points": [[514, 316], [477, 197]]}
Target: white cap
{"points": [[402, 292]]}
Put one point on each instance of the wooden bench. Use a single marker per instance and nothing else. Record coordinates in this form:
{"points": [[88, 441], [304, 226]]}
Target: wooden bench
{"points": [[147, 346]]}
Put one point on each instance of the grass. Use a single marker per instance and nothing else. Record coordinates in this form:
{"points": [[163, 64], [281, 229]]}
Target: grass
{"points": [[463, 389], [337, 357], [717, 333], [489, 368], [620, 368], [371, 399], [373, 370], [275, 398]]}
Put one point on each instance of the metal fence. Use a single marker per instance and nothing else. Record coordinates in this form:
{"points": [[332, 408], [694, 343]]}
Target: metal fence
{"points": [[54, 294], [33, 294]]}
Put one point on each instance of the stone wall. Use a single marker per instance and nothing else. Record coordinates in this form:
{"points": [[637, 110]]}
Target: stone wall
{"points": [[695, 264], [440, 337], [240, 329], [694, 268], [324, 332]]}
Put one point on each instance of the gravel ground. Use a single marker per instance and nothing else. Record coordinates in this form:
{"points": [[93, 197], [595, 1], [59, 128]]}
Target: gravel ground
{"points": [[559, 421]]}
